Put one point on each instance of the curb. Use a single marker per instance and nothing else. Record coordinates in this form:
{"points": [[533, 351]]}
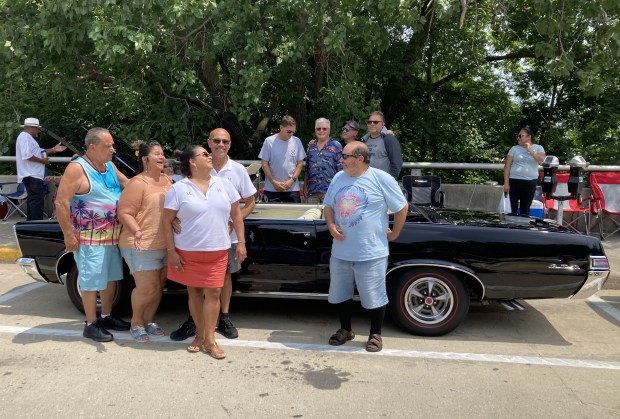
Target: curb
{"points": [[9, 254]]}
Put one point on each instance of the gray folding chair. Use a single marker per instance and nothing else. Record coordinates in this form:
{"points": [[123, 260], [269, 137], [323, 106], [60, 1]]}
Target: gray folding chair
{"points": [[424, 191]]}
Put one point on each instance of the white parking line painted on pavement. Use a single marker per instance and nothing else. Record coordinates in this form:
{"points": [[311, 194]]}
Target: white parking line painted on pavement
{"points": [[355, 350], [598, 302], [21, 291]]}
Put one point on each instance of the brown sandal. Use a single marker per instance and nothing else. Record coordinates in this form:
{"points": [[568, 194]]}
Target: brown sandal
{"points": [[341, 337], [214, 351], [194, 347], [375, 343]]}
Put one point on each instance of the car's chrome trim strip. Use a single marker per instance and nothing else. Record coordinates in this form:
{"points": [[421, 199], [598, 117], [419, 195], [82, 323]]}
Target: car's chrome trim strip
{"points": [[280, 294]]}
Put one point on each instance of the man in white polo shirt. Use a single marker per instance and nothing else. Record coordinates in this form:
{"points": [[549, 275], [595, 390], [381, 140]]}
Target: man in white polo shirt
{"points": [[31, 160]]}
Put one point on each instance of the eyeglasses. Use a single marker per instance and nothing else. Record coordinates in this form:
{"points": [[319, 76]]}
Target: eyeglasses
{"points": [[346, 156], [321, 129], [105, 178], [521, 135], [374, 122], [220, 141], [346, 129], [290, 131], [204, 153]]}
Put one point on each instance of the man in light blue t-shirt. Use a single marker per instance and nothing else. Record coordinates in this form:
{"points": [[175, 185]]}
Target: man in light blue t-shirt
{"points": [[356, 212], [282, 159]]}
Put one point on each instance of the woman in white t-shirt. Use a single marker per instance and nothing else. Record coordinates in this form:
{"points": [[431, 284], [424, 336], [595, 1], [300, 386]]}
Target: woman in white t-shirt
{"points": [[198, 254], [521, 170]]}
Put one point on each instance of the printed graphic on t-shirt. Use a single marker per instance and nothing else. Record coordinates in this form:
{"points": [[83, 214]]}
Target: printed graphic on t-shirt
{"points": [[351, 202], [371, 149]]}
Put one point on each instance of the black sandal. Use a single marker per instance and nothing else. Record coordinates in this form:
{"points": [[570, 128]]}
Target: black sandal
{"points": [[375, 343], [341, 337]]}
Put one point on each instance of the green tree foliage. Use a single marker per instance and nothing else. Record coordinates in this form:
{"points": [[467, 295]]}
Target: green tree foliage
{"points": [[455, 78]]}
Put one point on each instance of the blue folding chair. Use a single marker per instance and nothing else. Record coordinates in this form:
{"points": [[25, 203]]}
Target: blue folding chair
{"points": [[16, 201]]}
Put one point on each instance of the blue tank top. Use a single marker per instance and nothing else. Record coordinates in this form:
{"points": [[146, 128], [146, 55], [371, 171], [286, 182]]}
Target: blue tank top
{"points": [[93, 214]]}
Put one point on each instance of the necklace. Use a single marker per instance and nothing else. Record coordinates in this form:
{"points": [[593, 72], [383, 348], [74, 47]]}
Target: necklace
{"points": [[89, 161], [103, 174]]}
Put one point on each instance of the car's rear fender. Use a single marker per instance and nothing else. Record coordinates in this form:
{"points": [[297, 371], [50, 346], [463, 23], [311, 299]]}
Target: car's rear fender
{"points": [[467, 275], [64, 264]]}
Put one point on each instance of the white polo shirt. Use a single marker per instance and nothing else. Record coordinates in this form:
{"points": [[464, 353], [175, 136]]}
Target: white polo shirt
{"points": [[26, 147], [237, 174], [204, 219]]}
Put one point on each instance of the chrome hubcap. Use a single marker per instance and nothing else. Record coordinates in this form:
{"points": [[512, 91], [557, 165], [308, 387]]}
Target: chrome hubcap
{"points": [[428, 300]]}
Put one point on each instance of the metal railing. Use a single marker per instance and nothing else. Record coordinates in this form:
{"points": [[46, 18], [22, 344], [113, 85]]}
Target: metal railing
{"points": [[473, 166], [407, 165], [52, 159]]}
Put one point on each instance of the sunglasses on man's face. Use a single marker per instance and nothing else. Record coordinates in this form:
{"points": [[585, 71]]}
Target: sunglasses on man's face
{"points": [[290, 131], [346, 156], [371, 122], [220, 141], [321, 129]]}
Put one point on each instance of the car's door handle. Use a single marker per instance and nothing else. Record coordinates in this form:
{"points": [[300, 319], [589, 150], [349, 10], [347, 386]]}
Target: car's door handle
{"points": [[305, 233]]}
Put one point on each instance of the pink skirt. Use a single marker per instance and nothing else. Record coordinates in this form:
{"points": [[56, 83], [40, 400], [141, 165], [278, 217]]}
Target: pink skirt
{"points": [[201, 269]]}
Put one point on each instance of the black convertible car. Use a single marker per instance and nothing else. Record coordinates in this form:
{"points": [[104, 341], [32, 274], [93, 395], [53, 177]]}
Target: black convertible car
{"points": [[442, 261]]}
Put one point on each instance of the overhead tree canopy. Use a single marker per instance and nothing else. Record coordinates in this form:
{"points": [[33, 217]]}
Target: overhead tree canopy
{"points": [[455, 78]]}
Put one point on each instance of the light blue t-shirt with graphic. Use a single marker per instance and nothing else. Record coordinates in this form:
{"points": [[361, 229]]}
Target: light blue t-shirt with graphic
{"points": [[360, 206]]}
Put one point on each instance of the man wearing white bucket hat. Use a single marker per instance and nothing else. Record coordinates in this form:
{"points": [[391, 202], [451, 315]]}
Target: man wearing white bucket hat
{"points": [[31, 160]]}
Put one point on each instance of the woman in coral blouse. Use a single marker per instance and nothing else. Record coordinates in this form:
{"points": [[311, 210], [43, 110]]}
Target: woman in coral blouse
{"points": [[142, 241]]}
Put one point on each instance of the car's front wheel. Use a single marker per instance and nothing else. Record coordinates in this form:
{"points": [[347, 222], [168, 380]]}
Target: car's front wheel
{"points": [[75, 294], [428, 301]]}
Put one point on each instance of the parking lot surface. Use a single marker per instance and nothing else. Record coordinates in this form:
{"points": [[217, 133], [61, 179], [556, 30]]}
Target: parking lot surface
{"points": [[559, 358]]}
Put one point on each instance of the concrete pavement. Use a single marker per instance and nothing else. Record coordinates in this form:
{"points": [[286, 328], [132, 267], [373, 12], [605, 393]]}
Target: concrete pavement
{"points": [[558, 358]]}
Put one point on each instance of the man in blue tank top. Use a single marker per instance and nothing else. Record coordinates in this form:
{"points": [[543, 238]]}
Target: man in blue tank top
{"points": [[86, 205]]}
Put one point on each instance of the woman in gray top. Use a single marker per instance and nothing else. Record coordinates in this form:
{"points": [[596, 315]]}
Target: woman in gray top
{"points": [[521, 170]]}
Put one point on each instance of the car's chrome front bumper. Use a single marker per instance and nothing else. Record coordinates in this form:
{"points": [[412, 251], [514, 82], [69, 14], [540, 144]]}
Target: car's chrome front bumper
{"points": [[593, 284], [29, 265]]}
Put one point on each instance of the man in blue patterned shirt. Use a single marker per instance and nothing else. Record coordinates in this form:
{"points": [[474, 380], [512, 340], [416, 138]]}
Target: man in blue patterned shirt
{"points": [[322, 162]]}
